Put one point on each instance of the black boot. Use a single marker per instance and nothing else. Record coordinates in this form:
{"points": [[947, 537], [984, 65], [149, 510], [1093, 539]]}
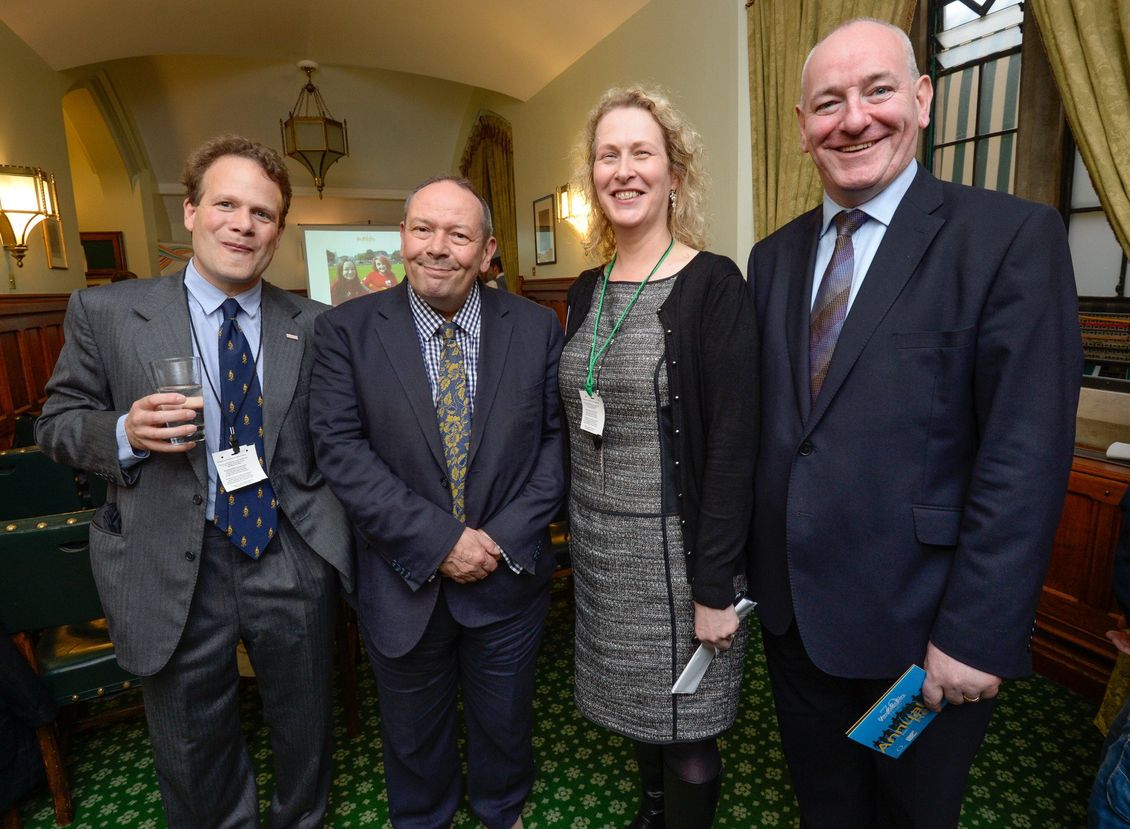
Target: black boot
{"points": [[691, 805], [650, 760]]}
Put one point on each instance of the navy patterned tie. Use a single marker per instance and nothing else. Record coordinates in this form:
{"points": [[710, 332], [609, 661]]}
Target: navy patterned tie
{"points": [[248, 515], [830, 308], [453, 414]]}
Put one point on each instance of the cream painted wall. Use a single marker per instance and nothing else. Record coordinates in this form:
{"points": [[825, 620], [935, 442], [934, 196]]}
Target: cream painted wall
{"points": [[31, 133], [106, 197], [689, 48]]}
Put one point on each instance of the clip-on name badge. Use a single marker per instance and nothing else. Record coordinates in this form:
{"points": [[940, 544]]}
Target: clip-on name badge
{"points": [[238, 467], [592, 414]]}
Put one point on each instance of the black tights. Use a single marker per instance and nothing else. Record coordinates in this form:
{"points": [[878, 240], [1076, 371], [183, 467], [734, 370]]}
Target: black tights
{"points": [[694, 762]]}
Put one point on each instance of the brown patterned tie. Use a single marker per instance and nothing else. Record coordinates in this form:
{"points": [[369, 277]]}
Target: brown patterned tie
{"points": [[453, 414], [830, 308]]}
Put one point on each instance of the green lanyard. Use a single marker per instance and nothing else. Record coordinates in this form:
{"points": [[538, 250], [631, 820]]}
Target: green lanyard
{"points": [[594, 354]]}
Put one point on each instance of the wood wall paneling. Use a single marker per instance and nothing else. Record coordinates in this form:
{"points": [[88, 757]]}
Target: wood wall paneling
{"points": [[31, 336], [551, 293]]}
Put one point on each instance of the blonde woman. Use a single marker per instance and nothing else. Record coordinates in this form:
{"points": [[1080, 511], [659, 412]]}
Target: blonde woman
{"points": [[658, 385]]}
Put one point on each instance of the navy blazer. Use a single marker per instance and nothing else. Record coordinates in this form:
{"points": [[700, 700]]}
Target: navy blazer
{"points": [[916, 500], [377, 442]]}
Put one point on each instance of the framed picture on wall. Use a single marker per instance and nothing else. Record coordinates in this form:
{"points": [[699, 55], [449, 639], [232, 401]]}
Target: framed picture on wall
{"points": [[53, 243], [545, 234], [105, 253]]}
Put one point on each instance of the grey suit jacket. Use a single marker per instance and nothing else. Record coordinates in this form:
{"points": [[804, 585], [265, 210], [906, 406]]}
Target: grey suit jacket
{"points": [[146, 573]]}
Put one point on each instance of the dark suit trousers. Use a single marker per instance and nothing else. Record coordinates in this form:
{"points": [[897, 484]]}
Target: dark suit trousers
{"points": [[840, 784], [283, 608], [494, 664]]}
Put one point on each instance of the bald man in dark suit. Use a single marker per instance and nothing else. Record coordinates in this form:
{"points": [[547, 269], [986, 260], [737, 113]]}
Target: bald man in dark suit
{"points": [[920, 370]]}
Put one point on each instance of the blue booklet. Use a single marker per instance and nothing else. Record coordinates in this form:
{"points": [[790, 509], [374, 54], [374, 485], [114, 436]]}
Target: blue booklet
{"points": [[897, 718]]}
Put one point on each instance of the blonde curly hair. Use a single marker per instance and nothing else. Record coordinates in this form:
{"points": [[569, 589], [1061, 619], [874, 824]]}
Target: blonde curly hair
{"points": [[687, 220]]}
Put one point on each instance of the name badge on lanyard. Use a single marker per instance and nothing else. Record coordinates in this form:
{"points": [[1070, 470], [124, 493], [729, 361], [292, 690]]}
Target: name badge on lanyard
{"points": [[592, 413], [238, 468]]}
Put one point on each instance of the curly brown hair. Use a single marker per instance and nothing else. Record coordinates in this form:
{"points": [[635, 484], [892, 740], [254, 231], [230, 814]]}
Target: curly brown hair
{"points": [[687, 219], [212, 150]]}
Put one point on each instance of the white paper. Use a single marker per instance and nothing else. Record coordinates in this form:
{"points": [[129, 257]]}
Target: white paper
{"points": [[592, 413], [238, 469]]}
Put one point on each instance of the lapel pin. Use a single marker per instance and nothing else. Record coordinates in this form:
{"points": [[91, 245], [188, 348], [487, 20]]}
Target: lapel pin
{"points": [[290, 336]]}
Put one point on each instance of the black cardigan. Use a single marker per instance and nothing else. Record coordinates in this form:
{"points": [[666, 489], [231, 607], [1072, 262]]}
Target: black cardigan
{"points": [[711, 355]]}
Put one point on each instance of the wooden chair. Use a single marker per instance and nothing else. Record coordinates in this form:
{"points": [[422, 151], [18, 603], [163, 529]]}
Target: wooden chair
{"points": [[33, 484], [48, 598]]}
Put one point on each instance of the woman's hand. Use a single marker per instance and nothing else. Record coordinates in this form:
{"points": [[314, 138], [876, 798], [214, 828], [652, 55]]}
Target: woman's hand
{"points": [[714, 627]]}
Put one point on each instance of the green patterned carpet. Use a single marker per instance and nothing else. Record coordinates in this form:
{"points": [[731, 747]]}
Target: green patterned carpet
{"points": [[1033, 772]]}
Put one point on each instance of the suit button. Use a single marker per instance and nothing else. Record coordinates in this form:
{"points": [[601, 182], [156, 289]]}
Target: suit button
{"points": [[196, 499], [806, 449], [189, 555], [443, 482]]}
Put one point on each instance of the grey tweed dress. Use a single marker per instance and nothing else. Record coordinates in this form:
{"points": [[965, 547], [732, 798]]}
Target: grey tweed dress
{"points": [[635, 616]]}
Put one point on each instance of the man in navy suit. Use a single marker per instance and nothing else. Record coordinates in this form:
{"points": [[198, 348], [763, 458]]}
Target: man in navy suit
{"points": [[917, 433], [436, 422]]}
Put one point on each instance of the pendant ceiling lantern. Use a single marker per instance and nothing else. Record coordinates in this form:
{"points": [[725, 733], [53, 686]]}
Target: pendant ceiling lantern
{"points": [[310, 135]]}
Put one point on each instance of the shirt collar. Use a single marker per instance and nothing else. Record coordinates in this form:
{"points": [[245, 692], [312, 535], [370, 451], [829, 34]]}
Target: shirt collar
{"points": [[883, 206], [211, 298], [429, 320]]}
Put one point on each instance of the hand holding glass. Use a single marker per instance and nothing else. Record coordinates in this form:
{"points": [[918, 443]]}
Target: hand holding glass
{"points": [[182, 376]]}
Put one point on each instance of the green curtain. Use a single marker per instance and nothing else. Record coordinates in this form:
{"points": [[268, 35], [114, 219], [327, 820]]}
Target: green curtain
{"points": [[1087, 43], [488, 162], [780, 33]]}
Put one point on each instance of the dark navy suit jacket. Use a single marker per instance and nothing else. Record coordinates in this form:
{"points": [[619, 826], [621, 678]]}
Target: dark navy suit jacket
{"points": [[916, 500], [374, 428]]}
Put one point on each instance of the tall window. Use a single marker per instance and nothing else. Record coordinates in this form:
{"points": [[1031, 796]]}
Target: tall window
{"points": [[975, 63], [1100, 265]]}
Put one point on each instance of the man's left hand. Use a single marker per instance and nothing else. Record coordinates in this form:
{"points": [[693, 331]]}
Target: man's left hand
{"points": [[957, 682]]}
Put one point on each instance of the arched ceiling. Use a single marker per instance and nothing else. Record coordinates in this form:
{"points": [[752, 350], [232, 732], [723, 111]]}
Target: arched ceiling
{"points": [[514, 47]]}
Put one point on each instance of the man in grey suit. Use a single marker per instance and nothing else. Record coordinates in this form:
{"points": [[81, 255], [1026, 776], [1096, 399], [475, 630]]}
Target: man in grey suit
{"points": [[186, 568], [439, 429]]}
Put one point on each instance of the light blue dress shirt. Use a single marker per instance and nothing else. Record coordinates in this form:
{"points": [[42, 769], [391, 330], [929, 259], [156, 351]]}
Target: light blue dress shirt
{"points": [[866, 240], [205, 312]]}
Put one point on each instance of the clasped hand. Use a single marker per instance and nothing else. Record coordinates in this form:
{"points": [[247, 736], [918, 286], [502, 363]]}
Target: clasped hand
{"points": [[474, 557], [147, 423]]}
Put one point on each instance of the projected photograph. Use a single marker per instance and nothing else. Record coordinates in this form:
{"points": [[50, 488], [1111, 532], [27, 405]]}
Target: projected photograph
{"points": [[348, 261]]}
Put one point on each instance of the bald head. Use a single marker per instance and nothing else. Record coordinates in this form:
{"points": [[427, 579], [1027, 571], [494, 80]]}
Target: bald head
{"points": [[864, 22]]}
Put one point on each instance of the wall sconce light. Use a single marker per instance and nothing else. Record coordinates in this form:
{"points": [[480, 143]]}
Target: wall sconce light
{"points": [[27, 197], [573, 207], [315, 140]]}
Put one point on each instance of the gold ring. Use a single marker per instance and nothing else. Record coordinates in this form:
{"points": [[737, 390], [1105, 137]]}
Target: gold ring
{"points": [[971, 699]]}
